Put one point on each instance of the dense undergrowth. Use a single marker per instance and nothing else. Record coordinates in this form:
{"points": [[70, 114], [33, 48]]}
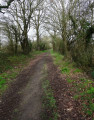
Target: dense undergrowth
{"points": [[82, 86], [10, 66], [49, 102]]}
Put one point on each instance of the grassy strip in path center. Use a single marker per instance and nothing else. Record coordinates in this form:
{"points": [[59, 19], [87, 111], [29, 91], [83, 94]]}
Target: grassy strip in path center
{"points": [[49, 102]]}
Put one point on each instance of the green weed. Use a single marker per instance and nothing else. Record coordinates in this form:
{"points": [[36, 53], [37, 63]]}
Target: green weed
{"points": [[77, 71], [83, 79], [76, 97], [65, 70], [69, 80]]}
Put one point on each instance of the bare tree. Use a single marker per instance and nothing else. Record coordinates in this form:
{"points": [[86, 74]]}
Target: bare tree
{"points": [[22, 12], [38, 21]]}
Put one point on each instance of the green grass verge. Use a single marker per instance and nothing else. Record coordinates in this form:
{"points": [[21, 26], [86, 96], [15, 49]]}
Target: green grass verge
{"points": [[82, 86], [63, 63], [49, 102], [5, 78]]}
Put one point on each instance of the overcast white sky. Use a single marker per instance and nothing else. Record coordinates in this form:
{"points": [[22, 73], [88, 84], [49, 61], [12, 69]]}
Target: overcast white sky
{"points": [[1, 1]]}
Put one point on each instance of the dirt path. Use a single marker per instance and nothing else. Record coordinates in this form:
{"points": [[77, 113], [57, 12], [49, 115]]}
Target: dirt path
{"points": [[31, 106], [24, 95]]}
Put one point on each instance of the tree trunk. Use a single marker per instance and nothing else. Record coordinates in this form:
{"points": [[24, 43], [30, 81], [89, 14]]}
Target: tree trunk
{"points": [[38, 41], [16, 44], [24, 42], [25, 46], [65, 51]]}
